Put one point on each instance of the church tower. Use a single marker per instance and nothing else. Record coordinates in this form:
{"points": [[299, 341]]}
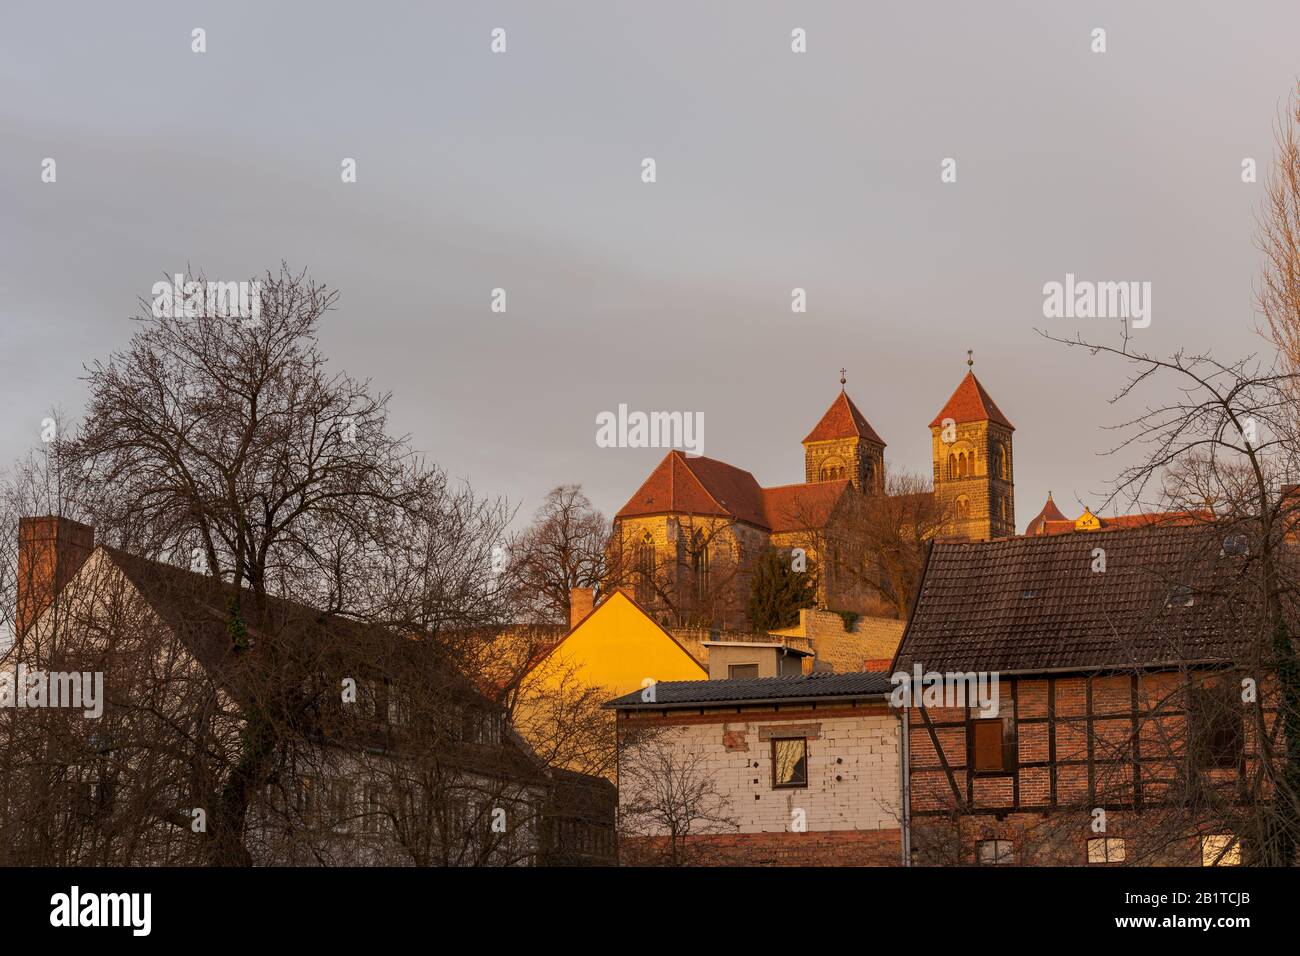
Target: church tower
{"points": [[974, 474], [844, 445]]}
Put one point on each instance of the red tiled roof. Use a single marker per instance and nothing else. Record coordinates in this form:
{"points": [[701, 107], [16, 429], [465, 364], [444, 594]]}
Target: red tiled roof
{"points": [[698, 486], [1157, 517], [843, 420], [802, 507], [706, 486], [1055, 526], [970, 403], [1064, 525], [1038, 524]]}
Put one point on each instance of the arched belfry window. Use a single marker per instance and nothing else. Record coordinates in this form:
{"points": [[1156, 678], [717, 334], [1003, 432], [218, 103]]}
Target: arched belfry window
{"points": [[832, 469]]}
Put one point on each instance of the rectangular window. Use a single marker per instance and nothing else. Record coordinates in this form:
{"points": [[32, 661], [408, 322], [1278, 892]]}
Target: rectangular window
{"points": [[339, 803], [1220, 849], [480, 726], [308, 798], [995, 853], [1106, 850], [993, 745], [739, 671], [1215, 713], [374, 808], [790, 762]]}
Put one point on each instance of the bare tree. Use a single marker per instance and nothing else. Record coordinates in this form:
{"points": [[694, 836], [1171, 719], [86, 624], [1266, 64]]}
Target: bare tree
{"points": [[879, 546], [668, 798], [564, 548], [226, 447], [562, 717], [1278, 237], [700, 580], [1225, 439]]}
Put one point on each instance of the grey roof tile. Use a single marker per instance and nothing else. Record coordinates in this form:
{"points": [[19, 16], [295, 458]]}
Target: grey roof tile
{"points": [[1035, 603], [807, 686]]}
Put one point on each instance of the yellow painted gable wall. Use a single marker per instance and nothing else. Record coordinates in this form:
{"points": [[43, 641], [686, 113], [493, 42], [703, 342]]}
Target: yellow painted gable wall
{"points": [[616, 647]]}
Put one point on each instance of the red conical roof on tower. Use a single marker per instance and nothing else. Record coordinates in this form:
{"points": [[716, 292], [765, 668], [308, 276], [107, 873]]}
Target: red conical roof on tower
{"points": [[970, 403], [843, 420]]}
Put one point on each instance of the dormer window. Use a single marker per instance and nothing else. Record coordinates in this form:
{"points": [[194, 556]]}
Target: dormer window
{"points": [[1235, 544]]}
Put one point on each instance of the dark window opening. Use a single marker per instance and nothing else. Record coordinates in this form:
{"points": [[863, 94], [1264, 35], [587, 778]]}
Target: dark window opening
{"points": [[1215, 713]]}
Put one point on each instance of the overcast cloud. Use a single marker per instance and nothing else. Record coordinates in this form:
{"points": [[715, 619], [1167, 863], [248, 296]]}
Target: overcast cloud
{"points": [[522, 171]]}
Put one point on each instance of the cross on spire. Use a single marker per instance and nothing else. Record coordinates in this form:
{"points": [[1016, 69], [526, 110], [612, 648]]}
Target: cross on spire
{"points": [[843, 380], [970, 358]]}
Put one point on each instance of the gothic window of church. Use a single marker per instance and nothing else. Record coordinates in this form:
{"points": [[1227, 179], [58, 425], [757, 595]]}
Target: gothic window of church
{"points": [[952, 465], [645, 566], [963, 507], [962, 467], [1000, 461], [971, 469], [700, 564]]}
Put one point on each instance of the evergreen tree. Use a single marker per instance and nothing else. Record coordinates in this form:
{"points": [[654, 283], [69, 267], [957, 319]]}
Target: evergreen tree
{"points": [[777, 591]]}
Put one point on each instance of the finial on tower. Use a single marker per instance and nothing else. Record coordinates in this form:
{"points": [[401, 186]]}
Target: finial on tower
{"points": [[843, 380], [970, 358]]}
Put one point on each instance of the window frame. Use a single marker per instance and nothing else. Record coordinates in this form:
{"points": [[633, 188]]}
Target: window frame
{"points": [[1226, 857], [1213, 736], [999, 858], [1108, 857], [1010, 746], [803, 785]]}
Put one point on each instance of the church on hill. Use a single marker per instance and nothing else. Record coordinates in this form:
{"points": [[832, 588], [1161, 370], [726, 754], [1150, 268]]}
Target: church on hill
{"points": [[688, 537]]}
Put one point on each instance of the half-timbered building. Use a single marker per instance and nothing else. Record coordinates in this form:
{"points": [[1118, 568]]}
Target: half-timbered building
{"points": [[1134, 713]]}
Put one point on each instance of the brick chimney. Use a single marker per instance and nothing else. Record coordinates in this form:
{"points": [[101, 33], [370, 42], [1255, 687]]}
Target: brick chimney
{"points": [[51, 550], [581, 603]]}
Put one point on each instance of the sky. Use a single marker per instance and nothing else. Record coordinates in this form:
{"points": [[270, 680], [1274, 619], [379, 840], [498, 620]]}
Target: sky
{"points": [[522, 170]]}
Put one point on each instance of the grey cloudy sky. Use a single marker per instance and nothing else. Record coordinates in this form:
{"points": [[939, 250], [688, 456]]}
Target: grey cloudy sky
{"points": [[522, 171]]}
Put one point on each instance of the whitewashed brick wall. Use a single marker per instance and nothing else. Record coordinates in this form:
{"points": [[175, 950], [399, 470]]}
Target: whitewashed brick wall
{"points": [[853, 771]]}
